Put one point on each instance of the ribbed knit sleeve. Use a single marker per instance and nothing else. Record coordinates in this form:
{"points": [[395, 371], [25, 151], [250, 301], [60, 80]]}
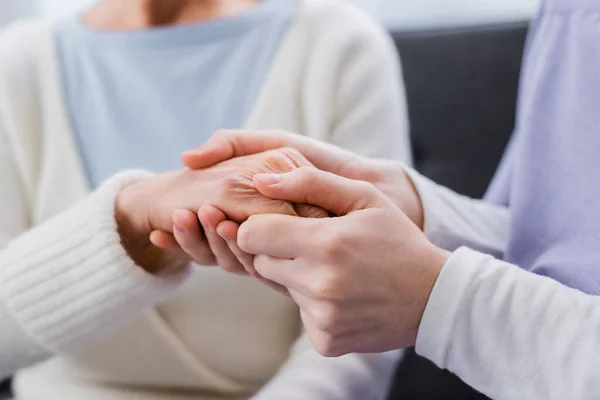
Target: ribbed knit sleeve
{"points": [[69, 282]]}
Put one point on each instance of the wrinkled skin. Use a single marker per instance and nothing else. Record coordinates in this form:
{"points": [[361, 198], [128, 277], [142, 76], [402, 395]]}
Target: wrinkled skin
{"points": [[219, 244], [227, 185]]}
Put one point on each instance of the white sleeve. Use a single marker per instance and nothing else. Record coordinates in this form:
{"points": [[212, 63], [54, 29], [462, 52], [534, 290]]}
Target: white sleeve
{"points": [[309, 375], [512, 334], [68, 282], [453, 220]]}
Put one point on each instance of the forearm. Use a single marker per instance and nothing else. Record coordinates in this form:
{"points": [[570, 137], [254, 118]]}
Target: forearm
{"points": [[512, 334], [452, 220], [70, 282], [308, 375]]}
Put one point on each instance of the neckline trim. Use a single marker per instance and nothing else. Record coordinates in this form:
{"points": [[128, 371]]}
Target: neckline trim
{"points": [[184, 34]]}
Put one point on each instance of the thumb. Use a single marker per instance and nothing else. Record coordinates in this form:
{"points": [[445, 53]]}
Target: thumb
{"points": [[227, 144], [335, 194]]}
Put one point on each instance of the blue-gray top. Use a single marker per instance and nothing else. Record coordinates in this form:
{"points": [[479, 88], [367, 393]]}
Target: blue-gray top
{"points": [[137, 99]]}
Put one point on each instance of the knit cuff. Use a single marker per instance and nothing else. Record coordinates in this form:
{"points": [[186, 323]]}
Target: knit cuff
{"points": [[445, 304], [70, 282]]}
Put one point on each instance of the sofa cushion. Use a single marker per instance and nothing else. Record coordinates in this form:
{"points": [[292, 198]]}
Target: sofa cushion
{"points": [[4, 390], [461, 86]]}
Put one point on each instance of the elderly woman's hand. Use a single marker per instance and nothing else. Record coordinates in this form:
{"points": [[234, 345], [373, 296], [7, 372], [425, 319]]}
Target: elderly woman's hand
{"points": [[160, 203]]}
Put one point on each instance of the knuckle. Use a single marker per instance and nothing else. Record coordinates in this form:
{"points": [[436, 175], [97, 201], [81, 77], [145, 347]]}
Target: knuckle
{"points": [[369, 193], [327, 318], [233, 185], [308, 175], [275, 161], [326, 288], [230, 181], [294, 156], [335, 246], [367, 188], [326, 346], [224, 186]]}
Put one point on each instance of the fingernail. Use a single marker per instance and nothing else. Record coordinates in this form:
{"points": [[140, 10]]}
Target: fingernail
{"points": [[269, 179], [179, 229]]}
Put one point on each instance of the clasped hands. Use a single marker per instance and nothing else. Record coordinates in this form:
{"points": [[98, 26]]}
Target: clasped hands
{"points": [[341, 234]]}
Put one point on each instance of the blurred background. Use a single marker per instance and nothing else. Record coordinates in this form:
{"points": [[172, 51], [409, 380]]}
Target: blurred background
{"points": [[396, 14]]}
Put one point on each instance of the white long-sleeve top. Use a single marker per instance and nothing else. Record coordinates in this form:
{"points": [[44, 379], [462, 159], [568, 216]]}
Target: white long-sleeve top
{"points": [[68, 288], [506, 332]]}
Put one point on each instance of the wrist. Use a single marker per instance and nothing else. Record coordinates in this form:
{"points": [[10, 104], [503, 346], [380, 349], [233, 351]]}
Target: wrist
{"points": [[417, 212], [432, 262], [132, 221], [393, 180]]}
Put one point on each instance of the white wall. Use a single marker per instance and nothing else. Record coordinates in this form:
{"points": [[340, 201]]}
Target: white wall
{"points": [[394, 13], [61, 7], [445, 13]]}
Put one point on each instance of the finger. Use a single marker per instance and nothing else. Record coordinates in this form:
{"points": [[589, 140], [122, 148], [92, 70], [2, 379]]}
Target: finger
{"points": [[310, 211], [210, 217], [227, 144], [288, 273], [335, 194], [278, 235], [224, 145], [228, 230], [163, 240], [191, 239], [166, 242]]}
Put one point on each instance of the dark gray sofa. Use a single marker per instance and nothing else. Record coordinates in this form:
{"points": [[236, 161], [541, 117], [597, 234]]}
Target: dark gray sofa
{"points": [[461, 87]]}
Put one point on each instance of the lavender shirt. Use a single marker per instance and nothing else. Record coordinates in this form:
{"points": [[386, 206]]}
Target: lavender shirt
{"points": [[550, 174]]}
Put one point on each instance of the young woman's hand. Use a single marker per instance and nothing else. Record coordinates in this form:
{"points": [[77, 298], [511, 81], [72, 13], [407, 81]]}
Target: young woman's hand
{"points": [[362, 279], [388, 176]]}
